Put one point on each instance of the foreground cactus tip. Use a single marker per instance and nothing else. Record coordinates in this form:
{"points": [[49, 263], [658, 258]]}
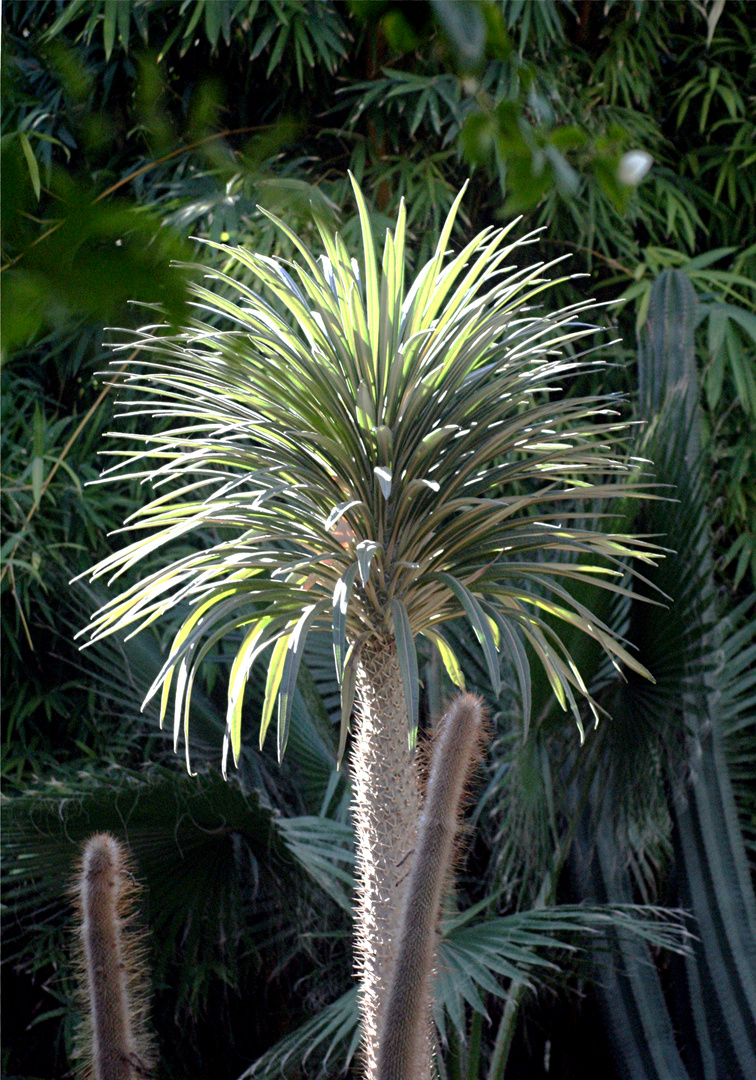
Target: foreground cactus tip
{"points": [[114, 1045]]}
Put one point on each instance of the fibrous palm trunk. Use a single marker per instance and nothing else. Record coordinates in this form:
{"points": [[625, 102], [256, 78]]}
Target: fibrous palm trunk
{"points": [[386, 796]]}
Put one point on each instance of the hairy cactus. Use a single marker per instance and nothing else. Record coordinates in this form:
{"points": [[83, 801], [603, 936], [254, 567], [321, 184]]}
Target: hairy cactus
{"points": [[114, 1046], [403, 1042]]}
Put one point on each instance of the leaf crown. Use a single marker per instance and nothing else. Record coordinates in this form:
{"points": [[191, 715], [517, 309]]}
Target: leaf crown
{"points": [[374, 459]]}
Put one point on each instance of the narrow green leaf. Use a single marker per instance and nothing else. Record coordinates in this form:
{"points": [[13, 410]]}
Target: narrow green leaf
{"points": [[166, 673], [480, 625], [372, 298], [294, 651], [438, 435], [448, 656], [250, 648], [275, 674], [385, 442], [348, 687], [31, 162], [429, 279], [405, 647], [212, 22], [365, 407], [522, 666], [187, 704], [38, 463], [109, 26], [124, 24], [340, 605], [68, 14], [178, 702], [338, 512], [746, 319], [383, 476], [365, 551], [37, 478]]}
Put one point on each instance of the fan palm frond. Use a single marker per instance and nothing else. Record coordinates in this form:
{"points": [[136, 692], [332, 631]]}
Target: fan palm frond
{"points": [[672, 738], [200, 845], [473, 961]]}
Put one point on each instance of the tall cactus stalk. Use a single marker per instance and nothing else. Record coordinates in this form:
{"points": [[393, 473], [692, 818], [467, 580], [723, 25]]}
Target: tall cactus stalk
{"points": [[114, 1043], [386, 808], [404, 1044]]}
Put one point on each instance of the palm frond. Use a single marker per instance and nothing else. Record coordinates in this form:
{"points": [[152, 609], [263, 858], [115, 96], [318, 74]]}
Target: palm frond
{"points": [[737, 678], [472, 962], [521, 948], [328, 1041], [198, 844]]}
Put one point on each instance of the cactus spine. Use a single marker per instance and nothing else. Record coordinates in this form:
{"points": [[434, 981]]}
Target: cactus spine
{"points": [[111, 963], [404, 1038]]}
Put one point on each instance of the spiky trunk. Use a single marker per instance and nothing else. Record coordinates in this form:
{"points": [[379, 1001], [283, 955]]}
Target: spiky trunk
{"points": [[386, 795]]}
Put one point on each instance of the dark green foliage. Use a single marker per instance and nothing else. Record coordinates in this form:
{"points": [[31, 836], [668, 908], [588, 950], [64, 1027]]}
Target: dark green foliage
{"points": [[675, 737], [166, 121]]}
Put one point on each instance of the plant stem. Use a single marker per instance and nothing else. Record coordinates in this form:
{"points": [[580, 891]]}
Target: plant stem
{"points": [[517, 991], [386, 796], [505, 1034], [474, 1043]]}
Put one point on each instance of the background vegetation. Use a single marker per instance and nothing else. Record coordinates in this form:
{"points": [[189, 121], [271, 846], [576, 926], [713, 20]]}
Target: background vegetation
{"points": [[131, 127]]}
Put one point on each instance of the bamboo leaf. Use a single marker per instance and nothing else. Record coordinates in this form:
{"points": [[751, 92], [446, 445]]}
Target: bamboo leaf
{"points": [[31, 163], [109, 26]]}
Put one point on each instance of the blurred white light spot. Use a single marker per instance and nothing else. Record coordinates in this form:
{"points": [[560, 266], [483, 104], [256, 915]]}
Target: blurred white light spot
{"points": [[633, 166]]}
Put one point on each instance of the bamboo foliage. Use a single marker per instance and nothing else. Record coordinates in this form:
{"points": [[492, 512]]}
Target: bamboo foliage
{"points": [[371, 458]]}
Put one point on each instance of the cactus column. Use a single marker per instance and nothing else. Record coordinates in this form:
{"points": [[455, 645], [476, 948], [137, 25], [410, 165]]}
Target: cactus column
{"points": [[404, 1044], [111, 965]]}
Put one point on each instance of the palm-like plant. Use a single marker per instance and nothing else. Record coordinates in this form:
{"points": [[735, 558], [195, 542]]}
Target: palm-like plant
{"points": [[381, 461]]}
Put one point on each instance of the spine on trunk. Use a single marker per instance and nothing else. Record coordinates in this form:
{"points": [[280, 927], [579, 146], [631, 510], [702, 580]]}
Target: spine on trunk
{"points": [[404, 1032], [114, 1046]]}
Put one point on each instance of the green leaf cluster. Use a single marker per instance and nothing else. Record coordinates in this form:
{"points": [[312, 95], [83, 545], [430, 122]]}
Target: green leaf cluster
{"points": [[352, 424]]}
